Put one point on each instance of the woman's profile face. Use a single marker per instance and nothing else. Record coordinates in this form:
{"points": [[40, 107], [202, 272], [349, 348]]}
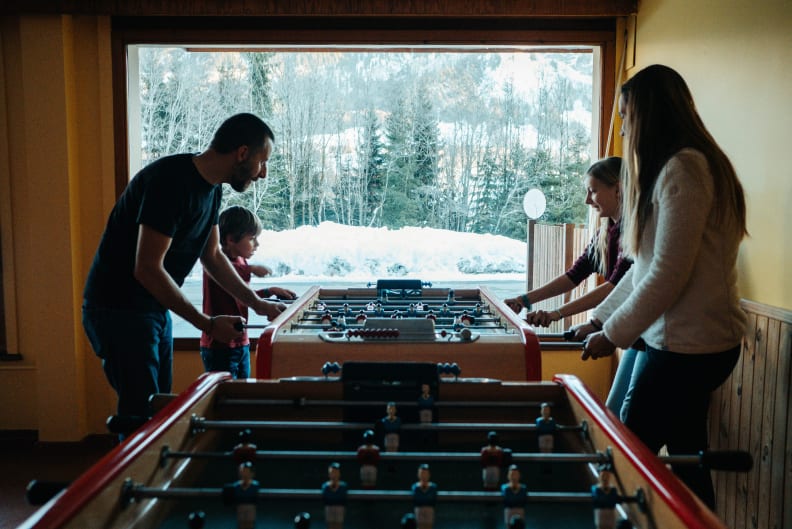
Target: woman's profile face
{"points": [[603, 198]]}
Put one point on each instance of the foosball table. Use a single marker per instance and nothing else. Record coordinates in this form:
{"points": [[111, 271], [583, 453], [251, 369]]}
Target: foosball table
{"points": [[258, 453], [400, 320]]}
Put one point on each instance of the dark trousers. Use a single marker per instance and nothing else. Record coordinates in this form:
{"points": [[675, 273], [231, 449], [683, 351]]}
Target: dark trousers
{"points": [[235, 360], [136, 349], [670, 403]]}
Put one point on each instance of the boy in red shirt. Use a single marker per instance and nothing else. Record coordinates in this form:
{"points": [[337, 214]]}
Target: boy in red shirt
{"points": [[239, 231]]}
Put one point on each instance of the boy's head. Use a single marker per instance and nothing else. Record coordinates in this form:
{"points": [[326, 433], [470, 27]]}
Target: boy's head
{"points": [[236, 222]]}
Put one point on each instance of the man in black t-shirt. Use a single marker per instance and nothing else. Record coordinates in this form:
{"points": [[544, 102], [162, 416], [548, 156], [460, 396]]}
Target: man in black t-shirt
{"points": [[165, 220]]}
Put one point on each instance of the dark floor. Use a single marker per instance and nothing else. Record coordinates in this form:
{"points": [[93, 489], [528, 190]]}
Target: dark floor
{"points": [[23, 458]]}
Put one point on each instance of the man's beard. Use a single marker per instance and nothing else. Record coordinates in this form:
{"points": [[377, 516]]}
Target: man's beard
{"points": [[240, 176]]}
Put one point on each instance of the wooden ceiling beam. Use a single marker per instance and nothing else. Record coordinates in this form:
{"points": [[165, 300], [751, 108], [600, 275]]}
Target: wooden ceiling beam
{"points": [[328, 8]]}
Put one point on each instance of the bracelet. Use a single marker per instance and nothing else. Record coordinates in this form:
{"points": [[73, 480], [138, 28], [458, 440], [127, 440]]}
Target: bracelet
{"points": [[560, 316], [525, 301], [266, 293], [211, 324], [594, 323]]}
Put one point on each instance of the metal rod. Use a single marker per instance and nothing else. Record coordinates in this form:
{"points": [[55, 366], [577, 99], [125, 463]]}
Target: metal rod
{"points": [[140, 492], [523, 457], [201, 423], [376, 403]]}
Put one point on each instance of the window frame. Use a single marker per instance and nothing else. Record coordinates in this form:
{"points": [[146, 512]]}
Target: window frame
{"points": [[402, 32]]}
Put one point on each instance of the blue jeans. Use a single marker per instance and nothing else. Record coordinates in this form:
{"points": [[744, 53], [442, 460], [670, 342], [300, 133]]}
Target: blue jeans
{"points": [[669, 406], [136, 348], [630, 365], [235, 360]]}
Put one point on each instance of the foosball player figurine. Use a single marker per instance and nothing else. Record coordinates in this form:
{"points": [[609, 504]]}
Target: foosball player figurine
{"points": [[361, 317], [545, 429], [391, 427], [368, 456], [334, 496], [515, 496], [245, 450], [243, 494], [424, 498], [605, 497], [408, 521], [425, 404], [491, 458], [196, 520], [516, 522], [302, 521]]}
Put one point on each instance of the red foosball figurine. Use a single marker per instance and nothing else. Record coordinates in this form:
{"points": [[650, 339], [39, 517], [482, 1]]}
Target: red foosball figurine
{"points": [[245, 450], [368, 455], [491, 462]]}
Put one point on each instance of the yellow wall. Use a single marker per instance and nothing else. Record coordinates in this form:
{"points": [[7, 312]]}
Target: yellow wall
{"points": [[57, 181], [56, 185], [736, 56]]}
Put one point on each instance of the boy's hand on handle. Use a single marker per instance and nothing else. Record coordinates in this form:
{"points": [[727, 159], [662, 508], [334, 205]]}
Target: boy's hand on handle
{"points": [[514, 304], [225, 329], [269, 309], [597, 345], [282, 293]]}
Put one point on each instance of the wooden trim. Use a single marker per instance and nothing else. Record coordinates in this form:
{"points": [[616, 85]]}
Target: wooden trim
{"points": [[776, 313], [438, 8], [751, 411]]}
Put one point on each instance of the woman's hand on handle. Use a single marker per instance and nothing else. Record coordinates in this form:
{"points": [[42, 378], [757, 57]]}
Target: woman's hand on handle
{"points": [[597, 345]]}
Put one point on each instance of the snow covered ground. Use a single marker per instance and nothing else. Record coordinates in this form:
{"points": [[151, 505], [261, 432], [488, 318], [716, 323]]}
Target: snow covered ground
{"points": [[333, 255]]}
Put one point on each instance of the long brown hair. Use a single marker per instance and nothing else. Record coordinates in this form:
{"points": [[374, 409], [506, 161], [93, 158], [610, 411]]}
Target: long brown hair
{"points": [[662, 120]]}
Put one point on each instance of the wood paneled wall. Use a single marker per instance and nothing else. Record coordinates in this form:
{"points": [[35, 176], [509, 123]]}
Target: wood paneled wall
{"points": [[751, 411]]}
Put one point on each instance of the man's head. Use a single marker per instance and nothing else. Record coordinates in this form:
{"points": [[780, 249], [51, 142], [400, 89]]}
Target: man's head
{"points": [[250, 140]]}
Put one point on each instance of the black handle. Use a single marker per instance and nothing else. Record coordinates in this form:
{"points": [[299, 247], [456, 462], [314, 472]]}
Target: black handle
{"points": [[730, 460], [125, 424], [39, 492]]}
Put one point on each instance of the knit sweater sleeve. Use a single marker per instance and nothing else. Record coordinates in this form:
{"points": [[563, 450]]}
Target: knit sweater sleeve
{"points": [[616, 297], [669, 246]]}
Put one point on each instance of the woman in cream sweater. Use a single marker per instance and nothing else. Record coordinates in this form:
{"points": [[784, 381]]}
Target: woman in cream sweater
{"points": [[683, 220]]}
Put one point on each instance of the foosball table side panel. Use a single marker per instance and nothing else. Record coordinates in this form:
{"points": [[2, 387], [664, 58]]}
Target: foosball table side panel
{"points": [[501, 357], [94, 499], [671, 505], [508, 353]]}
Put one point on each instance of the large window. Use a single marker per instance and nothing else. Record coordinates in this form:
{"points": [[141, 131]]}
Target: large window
{"points": [[390, 160]]}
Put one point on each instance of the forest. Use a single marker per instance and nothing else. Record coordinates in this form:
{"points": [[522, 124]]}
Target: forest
{"points": [[445, 140]]}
